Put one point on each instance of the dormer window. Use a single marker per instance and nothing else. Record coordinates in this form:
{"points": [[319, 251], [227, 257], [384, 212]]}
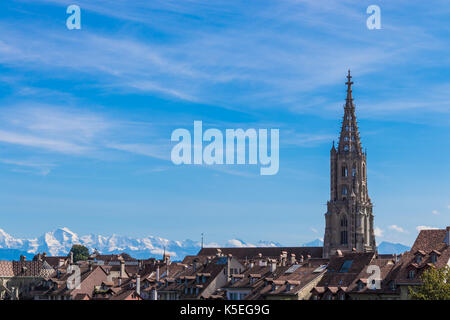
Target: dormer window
{"points": [[433, 258], [418, 258], [411, 274], [393, 285], [360, 285]]}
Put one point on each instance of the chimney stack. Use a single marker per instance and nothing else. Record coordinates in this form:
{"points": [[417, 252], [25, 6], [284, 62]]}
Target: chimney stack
{"points": [[122, 269], [447, 237], [71, 258], [273, 265], [252, 264], [138, 285], [23, 258], [301, 259], [293, 258], [157, 273], [339, 253]]}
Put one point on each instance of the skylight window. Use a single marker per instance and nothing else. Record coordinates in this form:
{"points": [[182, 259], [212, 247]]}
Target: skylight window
{"points": [[346, 266]]}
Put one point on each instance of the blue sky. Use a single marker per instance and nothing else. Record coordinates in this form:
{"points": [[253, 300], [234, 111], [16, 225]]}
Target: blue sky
{"points": [[86, 115]]}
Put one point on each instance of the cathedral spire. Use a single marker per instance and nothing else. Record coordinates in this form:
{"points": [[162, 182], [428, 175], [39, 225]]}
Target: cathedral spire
{"points": [[349, 140], [349, 217]]}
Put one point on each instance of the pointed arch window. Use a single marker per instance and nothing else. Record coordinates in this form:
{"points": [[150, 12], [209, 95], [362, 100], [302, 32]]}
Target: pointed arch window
{"points": [[344, 239], [346, 148], [354, 171], [344, 190], [344, 222], [344, 171]]}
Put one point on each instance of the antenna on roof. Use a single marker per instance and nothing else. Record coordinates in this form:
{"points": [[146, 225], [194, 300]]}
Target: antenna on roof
{"points": [[202, 240]]}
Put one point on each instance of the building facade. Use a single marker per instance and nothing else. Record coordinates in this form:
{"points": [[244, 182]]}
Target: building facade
{"points": [[349, 217]]}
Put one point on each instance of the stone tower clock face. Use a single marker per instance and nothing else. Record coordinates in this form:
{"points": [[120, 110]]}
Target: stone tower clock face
{"points": [[349, 198]]}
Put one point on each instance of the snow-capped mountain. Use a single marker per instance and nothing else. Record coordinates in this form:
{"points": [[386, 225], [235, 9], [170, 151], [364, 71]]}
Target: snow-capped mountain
{"points": [[59, 242]]}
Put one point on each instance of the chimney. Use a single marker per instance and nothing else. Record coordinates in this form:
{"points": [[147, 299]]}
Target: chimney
{"points": [[353, 249], [71, 258], [154, 294], [229, 267], [122, 269], [447, 237], [292, 258], [60, 262], [120, 282], [157, 273], [23, 258], [138, 285], [219, 252], [339, 253], [273, 265], [260, 255], [301, 259], [252, 264]]}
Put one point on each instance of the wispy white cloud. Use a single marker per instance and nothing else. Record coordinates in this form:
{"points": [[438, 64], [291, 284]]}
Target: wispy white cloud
{"points": [[38, 167], [397, 228], [435, 212], [378, 232], [153, 151], [420, 228], [42, 143]]}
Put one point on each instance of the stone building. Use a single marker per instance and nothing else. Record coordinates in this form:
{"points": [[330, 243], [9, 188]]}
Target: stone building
{"points": [[349, 218]]}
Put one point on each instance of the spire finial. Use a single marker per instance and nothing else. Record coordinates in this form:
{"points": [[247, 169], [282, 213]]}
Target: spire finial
{"points": [[349, 87]]}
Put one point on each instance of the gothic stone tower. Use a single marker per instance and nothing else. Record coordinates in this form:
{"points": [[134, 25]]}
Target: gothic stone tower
{"points": [[349, 218]]}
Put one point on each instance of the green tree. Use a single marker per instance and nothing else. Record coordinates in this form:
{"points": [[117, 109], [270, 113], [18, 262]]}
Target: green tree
{"points": [[80, 252], [436, 285]]}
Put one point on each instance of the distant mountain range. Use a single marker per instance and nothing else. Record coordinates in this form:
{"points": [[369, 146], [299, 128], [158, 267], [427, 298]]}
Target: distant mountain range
{"points": [[383, 248], [59, 242]]}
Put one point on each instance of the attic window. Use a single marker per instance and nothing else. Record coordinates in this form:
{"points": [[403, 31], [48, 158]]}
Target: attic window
{"points": [[433, 258], [393, 286], [360, 285], [411, 274], [346, 265], [418, 258]]}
